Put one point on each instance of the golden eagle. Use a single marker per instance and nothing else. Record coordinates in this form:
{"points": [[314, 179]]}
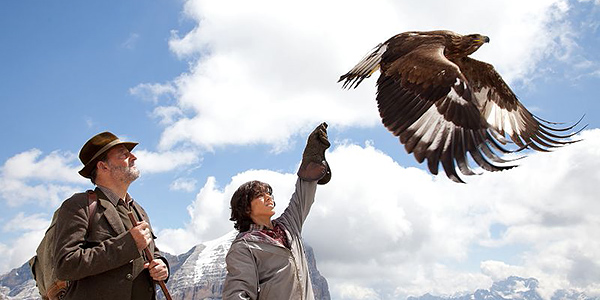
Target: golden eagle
{"points": [[443, 104]]}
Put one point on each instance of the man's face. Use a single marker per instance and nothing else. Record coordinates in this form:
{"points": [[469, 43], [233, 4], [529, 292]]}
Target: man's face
{"points": [[262, 206], [121, 164]]}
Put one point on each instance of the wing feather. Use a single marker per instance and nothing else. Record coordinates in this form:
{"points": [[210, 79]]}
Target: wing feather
{"points": [[434, 151], [447, 158], [367, 66], [505, 113], [461, 147]]}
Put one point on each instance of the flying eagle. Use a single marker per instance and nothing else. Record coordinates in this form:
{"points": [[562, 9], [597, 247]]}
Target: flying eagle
{"points": [[443, 104]]}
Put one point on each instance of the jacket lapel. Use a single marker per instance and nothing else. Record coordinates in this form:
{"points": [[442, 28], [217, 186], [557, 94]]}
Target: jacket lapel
{"points": [[110, 212]]}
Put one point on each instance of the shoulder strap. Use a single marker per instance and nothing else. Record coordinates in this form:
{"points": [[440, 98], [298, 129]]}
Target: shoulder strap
{"points": [[92, 203]]}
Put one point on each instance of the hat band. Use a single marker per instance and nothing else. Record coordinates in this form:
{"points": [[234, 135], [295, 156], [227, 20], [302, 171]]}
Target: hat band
{"points": [[104, 149]]}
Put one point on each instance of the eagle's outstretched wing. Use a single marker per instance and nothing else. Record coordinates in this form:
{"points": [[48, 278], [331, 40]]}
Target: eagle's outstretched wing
{"points": [[506, 114], [425, 100]]}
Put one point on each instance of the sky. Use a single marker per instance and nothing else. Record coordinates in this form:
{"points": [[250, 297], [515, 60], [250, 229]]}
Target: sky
{"points": [[221, 92]]}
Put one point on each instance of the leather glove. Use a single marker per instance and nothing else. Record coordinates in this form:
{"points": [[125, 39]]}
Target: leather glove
{"points": [[314, 166]]}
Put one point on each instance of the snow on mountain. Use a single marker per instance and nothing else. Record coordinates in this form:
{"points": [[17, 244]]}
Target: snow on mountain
{"points": [[512, 288], [211, 261], [18, 284], [201, 274], [190, 280]]}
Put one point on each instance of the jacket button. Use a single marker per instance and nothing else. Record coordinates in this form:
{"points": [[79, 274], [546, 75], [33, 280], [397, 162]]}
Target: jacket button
{"points": [[129, 276]]}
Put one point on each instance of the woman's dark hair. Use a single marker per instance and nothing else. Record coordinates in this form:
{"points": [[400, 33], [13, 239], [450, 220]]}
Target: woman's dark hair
{"points": [[240, 202]]}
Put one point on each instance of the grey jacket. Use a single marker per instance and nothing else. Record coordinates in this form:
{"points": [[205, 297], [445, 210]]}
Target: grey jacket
{"points": [[259, 270]]}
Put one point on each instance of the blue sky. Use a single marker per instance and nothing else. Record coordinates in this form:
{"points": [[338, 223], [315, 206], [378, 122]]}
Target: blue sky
{"points": [[221, 92]]}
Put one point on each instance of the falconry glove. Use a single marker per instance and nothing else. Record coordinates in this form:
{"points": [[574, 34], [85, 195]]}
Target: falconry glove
{"points": [[314, 166]]}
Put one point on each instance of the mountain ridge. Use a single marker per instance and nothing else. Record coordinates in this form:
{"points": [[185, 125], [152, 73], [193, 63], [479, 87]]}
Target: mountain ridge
{"points": [[513, 287], [200, 274], [196, 274]]}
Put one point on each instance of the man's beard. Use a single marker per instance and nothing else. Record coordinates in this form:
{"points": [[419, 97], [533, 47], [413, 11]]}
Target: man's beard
{"points": [[125, 174]]}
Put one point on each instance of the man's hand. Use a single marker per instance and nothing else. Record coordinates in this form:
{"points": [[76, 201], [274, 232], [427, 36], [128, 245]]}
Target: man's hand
{"points": [[141, 235], [314, 166], [158, 269]]}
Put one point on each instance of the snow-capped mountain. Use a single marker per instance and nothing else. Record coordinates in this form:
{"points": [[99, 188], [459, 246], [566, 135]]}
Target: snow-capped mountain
{"points": [[201, 273], [18, 284], [197, 274], [513, 287]]}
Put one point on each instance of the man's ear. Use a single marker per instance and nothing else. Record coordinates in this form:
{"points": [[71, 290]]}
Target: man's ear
{"points": [[101, 165]]}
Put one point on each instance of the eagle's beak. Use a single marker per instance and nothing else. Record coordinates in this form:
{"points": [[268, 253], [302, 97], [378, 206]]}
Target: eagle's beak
{"points": [[482, 39]]}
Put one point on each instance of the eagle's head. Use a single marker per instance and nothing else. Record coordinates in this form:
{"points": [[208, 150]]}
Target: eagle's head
{"points": [[472, 42], [463, 45]]}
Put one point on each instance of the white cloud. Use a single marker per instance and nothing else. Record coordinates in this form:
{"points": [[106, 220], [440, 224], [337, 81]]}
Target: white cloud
{"points": [[498, 270], [157, 162], [153, 92], [29, 177], [22, 222], [53, 167], [20, 249], [353, 291], [177, 240], [184, 184], [380, 230], [167, 114], [597, 2]]}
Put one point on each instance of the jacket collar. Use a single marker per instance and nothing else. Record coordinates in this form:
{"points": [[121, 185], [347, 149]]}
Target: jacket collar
{"points": [[112, 197]]}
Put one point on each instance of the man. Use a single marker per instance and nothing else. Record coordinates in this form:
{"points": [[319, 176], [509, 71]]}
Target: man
{"points": [[267, 260], [105, 260]]}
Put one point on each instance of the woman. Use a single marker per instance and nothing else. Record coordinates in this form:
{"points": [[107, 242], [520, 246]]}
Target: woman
{"points": [[266, 260]]}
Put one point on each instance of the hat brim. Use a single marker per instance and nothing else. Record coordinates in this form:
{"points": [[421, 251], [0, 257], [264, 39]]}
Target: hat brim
{"points": [[87, 169]]}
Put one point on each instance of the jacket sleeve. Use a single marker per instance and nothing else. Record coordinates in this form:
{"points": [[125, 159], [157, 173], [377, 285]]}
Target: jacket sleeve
{"points": [[158, 255], [73, 261], [300, 204], [241, 281]]}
